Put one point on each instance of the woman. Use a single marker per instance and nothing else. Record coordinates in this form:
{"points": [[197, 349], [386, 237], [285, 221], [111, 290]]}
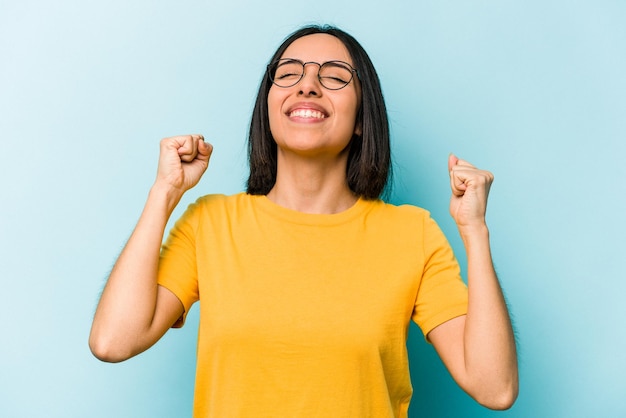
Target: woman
{"points": [[307, 281]]}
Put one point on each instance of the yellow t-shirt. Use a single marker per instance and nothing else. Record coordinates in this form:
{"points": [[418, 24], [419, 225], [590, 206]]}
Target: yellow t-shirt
{"points": [[306, 315]]}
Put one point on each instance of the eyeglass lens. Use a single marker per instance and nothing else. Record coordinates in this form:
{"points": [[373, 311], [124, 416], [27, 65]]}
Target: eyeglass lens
{"points": [[333, 75]]}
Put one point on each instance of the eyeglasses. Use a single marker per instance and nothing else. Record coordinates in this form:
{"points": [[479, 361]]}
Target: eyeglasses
{"points": [[333, 75]]}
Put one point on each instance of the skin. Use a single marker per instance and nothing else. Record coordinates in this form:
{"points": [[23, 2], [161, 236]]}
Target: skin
{"points": [[478, 348], [313, 152], [134, 312]]}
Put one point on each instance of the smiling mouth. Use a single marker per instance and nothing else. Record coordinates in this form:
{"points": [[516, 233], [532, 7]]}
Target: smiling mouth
{"points": [[307, 113]]}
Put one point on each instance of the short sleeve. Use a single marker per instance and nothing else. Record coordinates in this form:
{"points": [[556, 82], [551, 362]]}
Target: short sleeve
{"points": [[442, 295], [178, 271]]}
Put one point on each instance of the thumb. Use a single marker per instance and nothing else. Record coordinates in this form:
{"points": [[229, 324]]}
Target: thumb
{"points": [[452, 160], [457, 182], [204, 150]]}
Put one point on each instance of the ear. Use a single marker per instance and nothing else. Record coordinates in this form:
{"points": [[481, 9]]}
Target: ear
{"points": [[358, 131]]}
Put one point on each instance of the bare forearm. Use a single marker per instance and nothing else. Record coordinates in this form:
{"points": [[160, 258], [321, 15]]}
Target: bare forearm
{"points": [[127, 306], [489, 343], [134, 312]]}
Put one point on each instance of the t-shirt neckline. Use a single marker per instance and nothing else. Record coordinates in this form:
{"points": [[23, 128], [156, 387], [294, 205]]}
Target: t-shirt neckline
{"points": [[275, 210]]}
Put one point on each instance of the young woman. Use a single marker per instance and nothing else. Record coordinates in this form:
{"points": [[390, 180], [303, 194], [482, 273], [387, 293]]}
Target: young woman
{"points": [[307, 282]]}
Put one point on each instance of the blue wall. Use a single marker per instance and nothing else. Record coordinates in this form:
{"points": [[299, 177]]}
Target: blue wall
{"points": [[534, 91]]}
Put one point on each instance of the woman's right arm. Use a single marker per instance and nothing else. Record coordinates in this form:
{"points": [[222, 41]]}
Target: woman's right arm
{"points": [[134, 311]]}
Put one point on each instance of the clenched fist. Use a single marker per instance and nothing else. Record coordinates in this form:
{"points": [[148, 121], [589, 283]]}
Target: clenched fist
{"points": [[182, 161], [470, 189]]}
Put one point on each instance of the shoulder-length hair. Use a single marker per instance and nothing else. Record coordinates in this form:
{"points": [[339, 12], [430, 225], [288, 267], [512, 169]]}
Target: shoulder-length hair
{"points": [[369, 160]]}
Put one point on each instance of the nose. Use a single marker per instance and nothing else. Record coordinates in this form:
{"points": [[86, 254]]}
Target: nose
{"points": [[310, 84]]}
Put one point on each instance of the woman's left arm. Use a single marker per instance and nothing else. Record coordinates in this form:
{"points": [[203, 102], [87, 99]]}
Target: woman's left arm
{"points": [[478, 348]]}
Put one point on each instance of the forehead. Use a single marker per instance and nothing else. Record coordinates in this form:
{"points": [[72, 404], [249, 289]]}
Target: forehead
{"points": [[319, 47]]}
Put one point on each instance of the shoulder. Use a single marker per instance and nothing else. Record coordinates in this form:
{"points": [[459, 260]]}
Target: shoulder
{"points": [[212, 205], [238, 207], [215, 201], [218, 199], [400, 221], [401, 212], [405, 220]]}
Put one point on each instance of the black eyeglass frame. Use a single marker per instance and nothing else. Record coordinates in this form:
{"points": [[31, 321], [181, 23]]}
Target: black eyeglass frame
{"points": [[272, 67]]}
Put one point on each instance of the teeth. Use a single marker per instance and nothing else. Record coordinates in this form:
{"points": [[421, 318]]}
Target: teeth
{"points": [[307, 113]]}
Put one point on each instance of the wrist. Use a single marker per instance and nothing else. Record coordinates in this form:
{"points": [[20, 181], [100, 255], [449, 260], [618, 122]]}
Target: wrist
{"points": [[166, 195], [474, 233]]}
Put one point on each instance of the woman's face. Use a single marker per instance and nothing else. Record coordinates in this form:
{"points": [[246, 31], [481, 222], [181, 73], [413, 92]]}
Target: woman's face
{"points": [[307, 118]]}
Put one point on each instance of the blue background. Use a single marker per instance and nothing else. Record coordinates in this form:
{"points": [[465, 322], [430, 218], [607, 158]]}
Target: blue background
{"points": [[534, 91]]}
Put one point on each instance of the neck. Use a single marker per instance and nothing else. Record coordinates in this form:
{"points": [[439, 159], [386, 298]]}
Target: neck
{"points": [[312, 186]]}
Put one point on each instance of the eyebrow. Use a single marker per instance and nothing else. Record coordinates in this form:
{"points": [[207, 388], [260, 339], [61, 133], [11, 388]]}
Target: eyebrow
{"points": [[337, 61]]}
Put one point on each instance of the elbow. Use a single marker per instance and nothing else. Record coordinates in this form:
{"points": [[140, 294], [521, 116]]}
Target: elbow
{"points": [[501, 402], [500, 399], [105, 350]]}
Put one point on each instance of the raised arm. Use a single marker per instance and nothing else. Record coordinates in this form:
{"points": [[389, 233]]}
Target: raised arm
{"points": [[479, 348], [134, 312]]}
